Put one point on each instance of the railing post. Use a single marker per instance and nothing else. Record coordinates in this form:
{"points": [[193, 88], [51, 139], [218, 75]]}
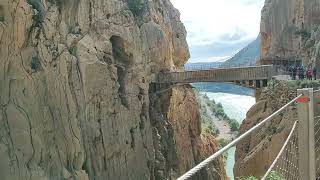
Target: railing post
{"points": [[306, 135]]}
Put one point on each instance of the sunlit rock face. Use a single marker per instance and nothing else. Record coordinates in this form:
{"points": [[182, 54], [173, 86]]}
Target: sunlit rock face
{"points": [[74, 89], [176, 118], [256, 153], [290, 30]]}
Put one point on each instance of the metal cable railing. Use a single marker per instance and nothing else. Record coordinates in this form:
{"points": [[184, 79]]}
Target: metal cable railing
{"points": [[204, 163], [285, 165], [317, 144]]}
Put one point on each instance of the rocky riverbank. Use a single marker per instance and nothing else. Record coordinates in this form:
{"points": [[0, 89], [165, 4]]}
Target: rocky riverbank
{"points": [[214, 119]]}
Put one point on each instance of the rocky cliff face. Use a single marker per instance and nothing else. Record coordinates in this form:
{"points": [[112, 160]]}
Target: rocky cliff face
{"points": [[176, 117], [255, 154], [290, 30], [74, 90]]}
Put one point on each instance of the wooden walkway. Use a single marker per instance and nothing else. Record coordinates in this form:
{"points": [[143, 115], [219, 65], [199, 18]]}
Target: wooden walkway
{"points": [[253, 76]]}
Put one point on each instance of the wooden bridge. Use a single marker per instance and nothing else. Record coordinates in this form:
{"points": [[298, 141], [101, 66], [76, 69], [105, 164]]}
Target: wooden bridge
{"points": [[252, 77]]}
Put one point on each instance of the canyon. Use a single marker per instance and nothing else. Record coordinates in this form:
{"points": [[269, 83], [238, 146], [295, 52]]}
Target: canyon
{"points": [[77, 99]]}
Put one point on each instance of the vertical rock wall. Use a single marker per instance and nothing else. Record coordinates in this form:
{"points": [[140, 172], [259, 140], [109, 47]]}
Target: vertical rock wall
{"points": [[255, 153], [74, 88], [175, 114], [290, 30]]}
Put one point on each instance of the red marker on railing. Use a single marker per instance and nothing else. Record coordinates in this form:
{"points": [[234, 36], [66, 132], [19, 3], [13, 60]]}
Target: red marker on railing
{"points": [[303, 100]]}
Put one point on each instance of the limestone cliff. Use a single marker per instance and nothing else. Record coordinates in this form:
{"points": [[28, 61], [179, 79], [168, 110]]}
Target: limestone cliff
{"points": [[74, 90], [178, 122], [255, 154], [290, 30]]}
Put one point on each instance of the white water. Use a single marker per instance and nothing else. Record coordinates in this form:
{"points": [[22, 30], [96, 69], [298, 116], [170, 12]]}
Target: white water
{"points": [[236, 107]]}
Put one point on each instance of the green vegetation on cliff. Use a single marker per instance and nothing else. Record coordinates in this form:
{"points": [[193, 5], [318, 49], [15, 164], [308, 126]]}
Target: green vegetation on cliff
{"points": [[272, 176], [208, 110], [218, 110], [136, 6]]}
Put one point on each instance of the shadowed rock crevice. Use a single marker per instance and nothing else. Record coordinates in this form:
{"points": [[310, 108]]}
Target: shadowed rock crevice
{"points": [[41, 11], [2, 14], [122, 60]]}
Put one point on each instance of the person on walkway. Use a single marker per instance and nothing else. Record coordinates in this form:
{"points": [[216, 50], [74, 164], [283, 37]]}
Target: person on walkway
{"points": [[303, 72], [299, 72], [309, 74], [294, 72], [315, 72]]}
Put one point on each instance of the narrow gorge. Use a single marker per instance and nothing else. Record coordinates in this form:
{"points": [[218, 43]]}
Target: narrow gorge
{"points": [[78, 98]]}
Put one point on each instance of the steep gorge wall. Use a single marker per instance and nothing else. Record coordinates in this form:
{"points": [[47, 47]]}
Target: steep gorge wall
{"points": [[255, 153], [176, 116], [74, 89], [290, 30]]}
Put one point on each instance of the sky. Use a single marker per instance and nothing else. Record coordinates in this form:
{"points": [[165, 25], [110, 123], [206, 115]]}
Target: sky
{"points": [[218, 29]]}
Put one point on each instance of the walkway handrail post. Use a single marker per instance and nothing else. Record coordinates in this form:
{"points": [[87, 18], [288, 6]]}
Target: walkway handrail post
{"points": [[306, 142]]}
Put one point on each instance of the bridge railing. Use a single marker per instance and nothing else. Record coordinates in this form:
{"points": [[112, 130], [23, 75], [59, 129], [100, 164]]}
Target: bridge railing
{"points": [[221, 74], [299, 157], [209, 66]]}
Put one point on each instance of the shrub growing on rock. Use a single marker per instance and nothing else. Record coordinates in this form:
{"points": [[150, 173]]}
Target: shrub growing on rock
{"points": [[304, 34], [234, 125], [136, 6], [35, 64]]}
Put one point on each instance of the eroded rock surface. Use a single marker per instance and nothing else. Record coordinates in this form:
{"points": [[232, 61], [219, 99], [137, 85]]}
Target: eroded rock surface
{"points": [[180, 125], [255, 154], [290, 30], [74, 90]]}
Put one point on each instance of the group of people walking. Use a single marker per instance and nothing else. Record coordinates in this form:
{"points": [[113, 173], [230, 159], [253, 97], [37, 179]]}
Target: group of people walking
{"points": [[300, 72]]}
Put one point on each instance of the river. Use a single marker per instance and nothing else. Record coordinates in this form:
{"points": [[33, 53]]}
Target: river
{"points": [[236, 102]]}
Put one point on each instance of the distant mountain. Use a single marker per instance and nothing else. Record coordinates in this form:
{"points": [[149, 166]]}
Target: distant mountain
{"points": [[247, 56], [202, 66]]}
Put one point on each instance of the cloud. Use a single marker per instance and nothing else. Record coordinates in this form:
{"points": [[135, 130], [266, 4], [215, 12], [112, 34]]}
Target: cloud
{"points": [[210, 22], [204, 53]]}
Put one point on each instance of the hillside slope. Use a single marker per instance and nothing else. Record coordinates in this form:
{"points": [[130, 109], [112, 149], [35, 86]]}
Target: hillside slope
{"points": [[247, 56]]}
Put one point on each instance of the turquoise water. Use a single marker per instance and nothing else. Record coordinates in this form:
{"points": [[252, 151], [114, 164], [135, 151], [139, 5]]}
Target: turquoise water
{"points": [[236, 107]]}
